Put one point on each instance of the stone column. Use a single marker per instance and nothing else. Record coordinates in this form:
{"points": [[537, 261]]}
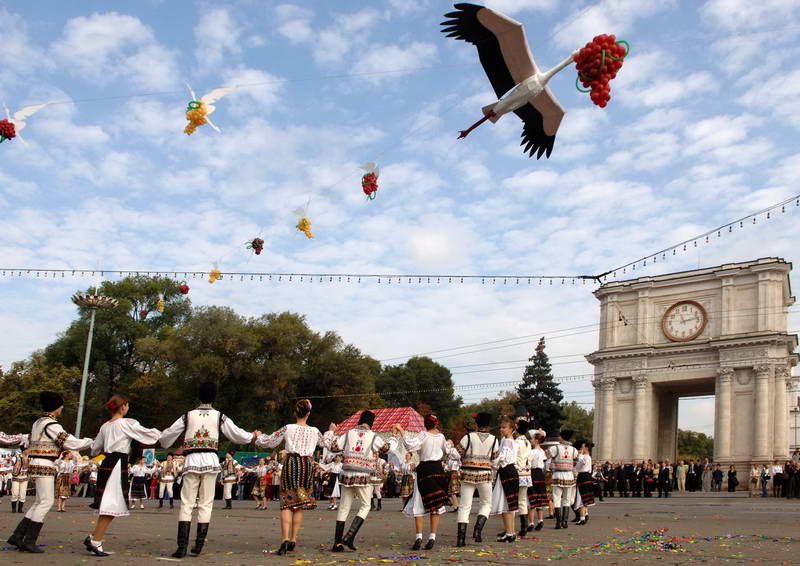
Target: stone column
{"points": [[762, 449], [780, 444], [608, 418], [597, 425], [640, 425], [724, 399]]}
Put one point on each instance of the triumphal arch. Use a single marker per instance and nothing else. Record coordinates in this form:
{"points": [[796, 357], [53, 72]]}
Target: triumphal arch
{"points": [[718, 331]]}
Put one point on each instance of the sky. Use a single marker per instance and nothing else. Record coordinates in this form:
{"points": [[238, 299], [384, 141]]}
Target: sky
{"points": [[701, 129]]}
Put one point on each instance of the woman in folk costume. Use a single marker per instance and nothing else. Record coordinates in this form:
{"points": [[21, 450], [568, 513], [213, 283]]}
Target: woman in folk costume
{"points": [[477, 450], [452, 467], [230, 468], [166, 480], [332, 489], [138, 486], [407, 469], [524, 450], [505, 495], [301, 441], [259, 492], [562, 463], [430, 489], [360, 448], [583, 467], [114, 442], [538, 499], [66, 468], [201, 430], [47, 439]]}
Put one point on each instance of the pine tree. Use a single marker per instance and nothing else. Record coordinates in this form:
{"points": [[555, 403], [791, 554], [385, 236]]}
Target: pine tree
{"points": [[539, 393]]}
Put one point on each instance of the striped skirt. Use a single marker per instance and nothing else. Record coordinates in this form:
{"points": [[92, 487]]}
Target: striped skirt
{"points": [[407, 486], [455, 484], [139, 488], [63, 487], [537, 493], [296, 483], [432, 484], [509, 478], [586, 488]]}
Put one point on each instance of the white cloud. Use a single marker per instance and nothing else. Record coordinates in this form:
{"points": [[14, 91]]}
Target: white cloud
{"points": [[217, 35], [779, 96], [295, 22], [110, 46], [739, 15], [517, 6], [261, 90], [381, 58]]}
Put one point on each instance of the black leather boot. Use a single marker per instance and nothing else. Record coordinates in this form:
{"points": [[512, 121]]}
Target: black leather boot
{"points": [[558, 517], [337, 538], [160, 503], [19, 533], [13, 506], [523, 525], [202, 531], [461, 538], [183, 538], [171, 504], [228, 504], [479, 523], [577, 516], [564, 517], [379, 508], [31, 535], [350, 537]]}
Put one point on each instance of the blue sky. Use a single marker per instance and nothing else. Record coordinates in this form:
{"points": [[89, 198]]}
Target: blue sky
{"points": [[701, 128]]}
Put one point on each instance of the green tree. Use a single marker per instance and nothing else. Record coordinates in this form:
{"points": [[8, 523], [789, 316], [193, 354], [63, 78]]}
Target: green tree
{"points": [[578, 419], [539, 393], [423, 384], [694, 445], [504, 405]]}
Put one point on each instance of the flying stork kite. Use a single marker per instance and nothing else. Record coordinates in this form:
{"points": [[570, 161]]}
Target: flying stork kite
{"points": [[19, 117], [519, 84]]}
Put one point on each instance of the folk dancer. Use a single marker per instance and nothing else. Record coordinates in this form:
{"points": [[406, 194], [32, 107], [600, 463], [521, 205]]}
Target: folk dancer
{"points": [[65, 465], [230, 468], [301, 442], [259, 491], [19, 482], [166, 481], [477, 450], [538, 499], [583, 467], [138, 485], [113, 440], [430, 489], [505, 495], [452, 467], [360, 448], [201, 429], [408, 472], [331, 484], [523, 465], [377, 479], [562, 463], [47, 439]]}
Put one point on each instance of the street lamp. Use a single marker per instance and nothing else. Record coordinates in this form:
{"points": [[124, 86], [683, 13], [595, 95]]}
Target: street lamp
{"points": [[91, 302]]}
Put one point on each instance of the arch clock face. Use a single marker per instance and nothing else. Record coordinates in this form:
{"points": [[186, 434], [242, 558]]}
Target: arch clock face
{"points": [[684, 321]]}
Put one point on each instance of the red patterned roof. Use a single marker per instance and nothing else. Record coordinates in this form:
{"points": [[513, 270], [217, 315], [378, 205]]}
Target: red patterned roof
{"points": [[406, 417]]}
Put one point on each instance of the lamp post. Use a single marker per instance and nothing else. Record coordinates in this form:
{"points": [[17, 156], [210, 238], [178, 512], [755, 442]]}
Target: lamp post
{"points": [[91, 302]]}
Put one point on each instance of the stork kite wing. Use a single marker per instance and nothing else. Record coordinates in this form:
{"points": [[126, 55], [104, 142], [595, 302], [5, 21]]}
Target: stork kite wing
{"points": [[539, 116], [210, 98], [501, 42], [28, 111]]}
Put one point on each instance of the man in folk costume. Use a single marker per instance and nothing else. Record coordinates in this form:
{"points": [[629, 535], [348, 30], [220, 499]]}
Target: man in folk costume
{"points": [[229, 476], [201, 430], [477, 450], [360, 448], [562, 462], [166, 480], [47, 439], [19, 482], [377, 480]]}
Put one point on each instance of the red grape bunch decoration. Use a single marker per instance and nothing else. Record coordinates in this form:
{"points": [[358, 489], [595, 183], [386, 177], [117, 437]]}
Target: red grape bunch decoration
{"points": [[257, 245], [7, 130], [598, 63]]}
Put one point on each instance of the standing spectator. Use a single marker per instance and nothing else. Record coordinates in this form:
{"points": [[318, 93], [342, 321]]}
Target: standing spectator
{"points": [[789, 478], [277, 468], [691, 476], [706, 475], [777, 478], [610, 484], [796, 456], [599, 481], [680, 474], [665, 479], [622, 479], [637, 478], [755, 474], [649, 479], [764, 478], [716, 479], [732, 480]]}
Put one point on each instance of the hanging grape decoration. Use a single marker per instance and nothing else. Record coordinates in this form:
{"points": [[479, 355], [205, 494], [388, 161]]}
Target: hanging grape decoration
{"points": [[257, 245], [598, 63]]}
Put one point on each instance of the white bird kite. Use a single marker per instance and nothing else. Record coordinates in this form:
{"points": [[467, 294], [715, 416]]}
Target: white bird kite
{"points": [[201, 108], [18, 118], [506, 58]]}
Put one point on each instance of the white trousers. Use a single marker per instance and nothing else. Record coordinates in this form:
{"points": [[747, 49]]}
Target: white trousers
{"points": [[523, 500], [45, 497], [18, 490], [362, 494], [467, 495], [164, 487], [227, 490], [563, 496], [199, 488]]}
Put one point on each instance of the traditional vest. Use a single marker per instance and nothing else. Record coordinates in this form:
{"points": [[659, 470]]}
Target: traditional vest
{"points": [[44, 444], [481, 446], [523, 456], [167, 472], [564, 460], [20, 471], [229, 471], [358, 452], [202, 430]]}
